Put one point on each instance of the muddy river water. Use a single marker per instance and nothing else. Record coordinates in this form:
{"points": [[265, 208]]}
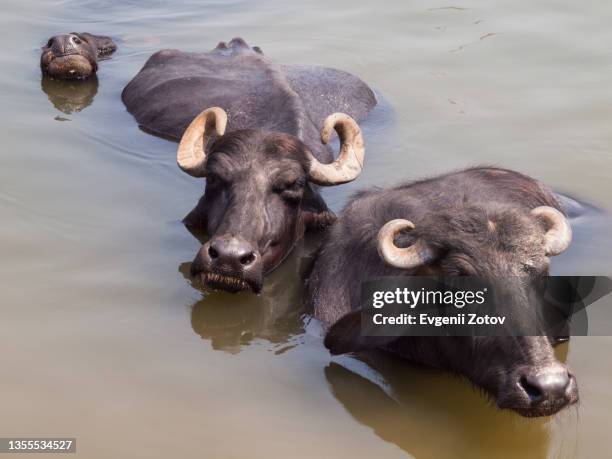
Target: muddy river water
{"points": [[102, 336]]}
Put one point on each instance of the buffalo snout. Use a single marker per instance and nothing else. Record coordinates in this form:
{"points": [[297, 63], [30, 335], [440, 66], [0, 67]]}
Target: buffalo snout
{"points": [[540, 392], [74, 56], [69, 57], [63, 45], [229, 263]]}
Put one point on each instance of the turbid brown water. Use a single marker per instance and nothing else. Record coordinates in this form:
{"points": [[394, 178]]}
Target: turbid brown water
{"points": [[102, 336]]}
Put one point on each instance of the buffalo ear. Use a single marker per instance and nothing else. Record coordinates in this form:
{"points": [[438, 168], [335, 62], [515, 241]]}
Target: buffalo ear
{"points": [[196, 219], [314, 212], [345, 336], [104, 45], [317, 221]]}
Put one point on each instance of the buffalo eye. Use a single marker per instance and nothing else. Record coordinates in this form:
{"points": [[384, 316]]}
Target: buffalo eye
{"points": [[77, 41], [466, 271], [530, 270], [458, 265], [291, 189], [214, 180]]}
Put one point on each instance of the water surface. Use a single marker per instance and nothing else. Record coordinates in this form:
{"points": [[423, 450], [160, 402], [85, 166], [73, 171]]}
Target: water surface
{"points": [[104, 338]]}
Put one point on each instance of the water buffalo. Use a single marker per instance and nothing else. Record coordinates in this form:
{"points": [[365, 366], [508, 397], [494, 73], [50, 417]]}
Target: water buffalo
{"points": [[74, 56], [487, 222], [261, 144]]}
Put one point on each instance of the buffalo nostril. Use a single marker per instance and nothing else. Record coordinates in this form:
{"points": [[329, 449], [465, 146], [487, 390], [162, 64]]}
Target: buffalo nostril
{"points": [[532, 390], [76, 40], [546, 386], [50, 42], [247, 259], [232, 255]]}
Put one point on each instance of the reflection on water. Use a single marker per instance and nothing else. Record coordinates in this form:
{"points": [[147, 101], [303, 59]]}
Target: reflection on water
{"points": [[70, 96], [230, 324], [429, 419], [429, 414]]}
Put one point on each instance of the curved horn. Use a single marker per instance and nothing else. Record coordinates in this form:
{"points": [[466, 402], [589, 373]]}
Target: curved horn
{"points": [[405, 258], [190, 155], [350, 159], [559, 234]]}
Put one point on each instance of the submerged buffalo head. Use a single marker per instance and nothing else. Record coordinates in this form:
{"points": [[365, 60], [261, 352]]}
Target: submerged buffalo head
{"points": [[259, 197], [508, 247], [74, 56]]}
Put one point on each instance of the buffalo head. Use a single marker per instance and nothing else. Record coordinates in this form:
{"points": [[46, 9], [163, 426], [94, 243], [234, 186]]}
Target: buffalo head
{"points": [[74, 56], [259, 197], [509, 247]]}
